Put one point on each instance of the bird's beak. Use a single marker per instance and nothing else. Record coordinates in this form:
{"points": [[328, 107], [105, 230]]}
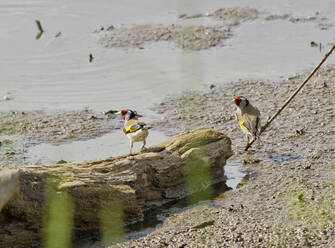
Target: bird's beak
{"points": [[138, 115], [233, 101]]}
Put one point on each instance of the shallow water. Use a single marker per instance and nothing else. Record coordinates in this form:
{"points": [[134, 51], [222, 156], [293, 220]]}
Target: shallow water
{"points": [[280, 158], [54, 73], [92, 149]]}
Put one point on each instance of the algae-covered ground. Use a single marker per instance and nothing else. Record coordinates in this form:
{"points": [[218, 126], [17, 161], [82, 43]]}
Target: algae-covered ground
{"points": [[190, 34], [291, 203]]}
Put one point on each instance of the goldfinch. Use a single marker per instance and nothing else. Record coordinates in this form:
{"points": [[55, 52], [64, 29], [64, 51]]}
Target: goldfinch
{"points": [[248, 117], [135, 130]]}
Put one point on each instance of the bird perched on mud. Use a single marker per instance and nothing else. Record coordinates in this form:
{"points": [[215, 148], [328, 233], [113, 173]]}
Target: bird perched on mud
{"points": [[248, 117], [135, 130]]}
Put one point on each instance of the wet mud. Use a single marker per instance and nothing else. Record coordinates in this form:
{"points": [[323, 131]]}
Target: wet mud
{"points": [[189, 37], [195, 36]]}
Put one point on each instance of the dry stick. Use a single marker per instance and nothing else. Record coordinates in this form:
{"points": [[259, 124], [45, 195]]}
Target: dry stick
{"points": [[39, 26], [293, 95]]}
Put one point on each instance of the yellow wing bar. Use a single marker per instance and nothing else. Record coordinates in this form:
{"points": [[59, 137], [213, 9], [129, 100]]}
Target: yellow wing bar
{"points": [[130, 130], [242, 125]]}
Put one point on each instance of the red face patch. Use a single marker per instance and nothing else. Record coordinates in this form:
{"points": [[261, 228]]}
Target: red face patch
{"points": [[123, 113], [237, 100]]}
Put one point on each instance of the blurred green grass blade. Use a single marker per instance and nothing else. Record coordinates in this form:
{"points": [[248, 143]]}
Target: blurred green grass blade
{"points": [[58, 219], [112, 224], [198, 176]]}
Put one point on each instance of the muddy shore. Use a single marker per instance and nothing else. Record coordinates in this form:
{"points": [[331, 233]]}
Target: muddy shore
{"points": [[291, 203]]}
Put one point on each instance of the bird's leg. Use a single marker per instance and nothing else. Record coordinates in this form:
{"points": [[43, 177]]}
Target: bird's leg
{"points": [[131, 147], [247, 140], [143, 147]]}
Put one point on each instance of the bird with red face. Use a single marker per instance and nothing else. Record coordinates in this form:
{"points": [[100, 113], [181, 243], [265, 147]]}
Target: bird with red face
{"points": [[134, 129], [248, 117]]}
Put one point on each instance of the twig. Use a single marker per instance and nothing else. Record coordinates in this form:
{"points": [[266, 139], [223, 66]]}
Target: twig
{"points": [[293, 95], [39, 26]]}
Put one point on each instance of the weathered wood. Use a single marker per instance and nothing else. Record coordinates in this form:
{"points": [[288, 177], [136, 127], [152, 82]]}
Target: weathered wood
{"points": [[8, 185]]}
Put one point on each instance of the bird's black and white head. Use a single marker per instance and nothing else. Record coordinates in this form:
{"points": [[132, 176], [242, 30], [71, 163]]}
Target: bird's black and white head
{"points": [[240, 101], [128, 114]]}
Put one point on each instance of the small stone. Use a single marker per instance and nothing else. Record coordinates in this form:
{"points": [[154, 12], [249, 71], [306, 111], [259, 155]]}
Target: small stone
{"points": [[307, 166], [58, 34], [61, 162], [212, 86], [110, 28]]}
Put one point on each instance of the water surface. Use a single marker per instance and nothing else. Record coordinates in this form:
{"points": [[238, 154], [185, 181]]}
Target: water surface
{"points": [[54, 73]]}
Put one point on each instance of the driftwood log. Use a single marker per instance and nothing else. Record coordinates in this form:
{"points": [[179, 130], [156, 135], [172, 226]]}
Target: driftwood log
{"points": [[137, 183]]}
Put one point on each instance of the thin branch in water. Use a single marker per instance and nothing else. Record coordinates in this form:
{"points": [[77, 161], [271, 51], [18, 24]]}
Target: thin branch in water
{"points": [[39, 26]]}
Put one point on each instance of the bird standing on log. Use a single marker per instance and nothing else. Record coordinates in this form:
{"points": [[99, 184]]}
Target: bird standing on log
{"points": [[248, 117], [135, 130]]}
